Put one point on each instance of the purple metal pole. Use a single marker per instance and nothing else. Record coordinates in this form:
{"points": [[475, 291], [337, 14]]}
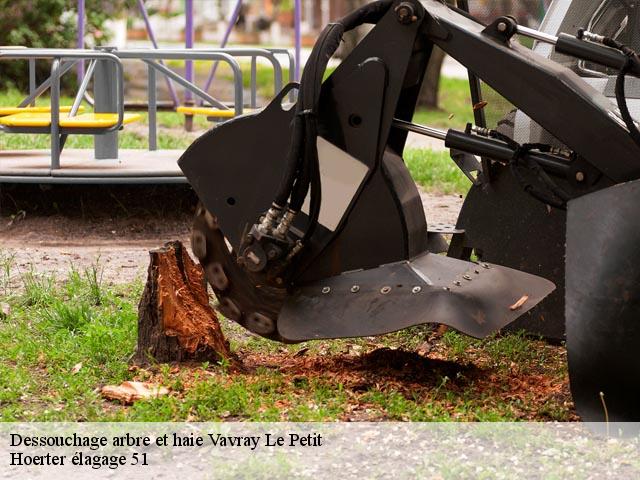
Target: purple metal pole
{"points": [[80, 38], [232, 23], [188, 40], [152, 37], [297, 13]]}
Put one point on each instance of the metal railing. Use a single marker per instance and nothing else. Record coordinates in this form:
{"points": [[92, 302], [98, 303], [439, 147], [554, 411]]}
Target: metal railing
{"points": [[63, 60], [57, 56]]}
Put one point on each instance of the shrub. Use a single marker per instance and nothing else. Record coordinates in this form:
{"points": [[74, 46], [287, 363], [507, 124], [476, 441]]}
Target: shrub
{"points": [[48, 24]]}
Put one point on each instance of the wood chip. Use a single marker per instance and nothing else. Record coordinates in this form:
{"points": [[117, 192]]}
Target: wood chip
{"points": [[302, 352], [76, 368], [129, 392], [519, 304]]}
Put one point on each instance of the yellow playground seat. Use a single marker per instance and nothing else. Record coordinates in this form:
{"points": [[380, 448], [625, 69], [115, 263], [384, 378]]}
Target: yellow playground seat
{"points": [[85, 120], [14, 110], [97, 120], [209, 112]]}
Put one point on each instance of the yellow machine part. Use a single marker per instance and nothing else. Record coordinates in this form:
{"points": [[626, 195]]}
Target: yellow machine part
{"points": [[14, 110], [85, 120]]}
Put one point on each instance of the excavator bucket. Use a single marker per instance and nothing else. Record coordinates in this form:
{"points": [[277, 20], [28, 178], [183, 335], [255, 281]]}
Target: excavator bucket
{"points": [[603, 304]]}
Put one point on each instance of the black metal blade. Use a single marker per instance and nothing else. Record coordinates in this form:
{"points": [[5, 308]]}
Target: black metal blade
{"points": [[476, 299], [603, 303]]}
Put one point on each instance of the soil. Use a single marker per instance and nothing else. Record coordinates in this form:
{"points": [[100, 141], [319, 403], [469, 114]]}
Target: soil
{"points": [[50, 229]]}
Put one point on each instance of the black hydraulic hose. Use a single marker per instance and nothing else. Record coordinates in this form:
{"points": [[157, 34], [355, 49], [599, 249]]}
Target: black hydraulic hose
{"points": [[632, 62], [622, 104], [302, 172]]}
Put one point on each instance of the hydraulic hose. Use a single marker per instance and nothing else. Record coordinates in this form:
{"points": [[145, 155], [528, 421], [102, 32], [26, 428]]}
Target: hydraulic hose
{"points": [[303, 172]]}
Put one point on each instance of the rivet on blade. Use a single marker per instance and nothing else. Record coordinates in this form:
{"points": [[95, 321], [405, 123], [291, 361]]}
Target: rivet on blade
{"points": [[484, 265], [466, 277], [385, 290], [416, 289], [457, 283], [355, 289], [326, 290]]}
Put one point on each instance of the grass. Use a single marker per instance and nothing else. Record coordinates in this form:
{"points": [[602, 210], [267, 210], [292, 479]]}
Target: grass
{"points": [[58, 325], [433, 170], [436, 172], [455, 108]]}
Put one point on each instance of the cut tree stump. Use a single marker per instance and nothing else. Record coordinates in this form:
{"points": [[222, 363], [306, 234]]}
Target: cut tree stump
{"points": [[175, 321]]}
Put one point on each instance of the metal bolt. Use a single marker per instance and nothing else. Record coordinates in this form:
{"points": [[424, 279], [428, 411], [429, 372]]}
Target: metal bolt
{"points": [[385, 290], [484, 265], [467, 277], [477, 272], [457, 283], [355, 289], [502, 27], [580, 176], [406, 13], [326, 290], [416, 289], [447, 289]]}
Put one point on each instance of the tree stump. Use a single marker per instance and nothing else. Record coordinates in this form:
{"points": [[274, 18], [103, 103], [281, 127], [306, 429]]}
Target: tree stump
{"points": [[175, 321]]}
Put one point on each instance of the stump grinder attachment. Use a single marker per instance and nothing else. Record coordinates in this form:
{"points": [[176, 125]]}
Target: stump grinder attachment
{"points": [[311, 227]]}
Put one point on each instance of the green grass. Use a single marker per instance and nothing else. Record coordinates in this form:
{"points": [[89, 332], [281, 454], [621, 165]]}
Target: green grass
{"points": [[455, 108], [436, 172], [57, 324]]}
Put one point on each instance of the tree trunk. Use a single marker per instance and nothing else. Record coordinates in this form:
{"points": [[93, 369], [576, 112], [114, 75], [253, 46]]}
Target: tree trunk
{"points": [[352, 38], [175, 321], [430, 90]]}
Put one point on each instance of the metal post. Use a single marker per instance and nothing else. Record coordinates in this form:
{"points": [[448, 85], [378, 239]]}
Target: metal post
{"points": [[232, 22], [55, 114], [152, 37], [32, 79], [80, 38], [298, 34], [153, 135], [188, 40], [325, 10], [106, 101], [254, 81]]}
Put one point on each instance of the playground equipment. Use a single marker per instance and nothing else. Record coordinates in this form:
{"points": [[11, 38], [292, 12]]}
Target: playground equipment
{"points": [[316, 229], [105, 73], [104, 77]]}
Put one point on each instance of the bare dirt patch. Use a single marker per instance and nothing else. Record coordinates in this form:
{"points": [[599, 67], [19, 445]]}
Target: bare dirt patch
{"points": [[48, 229]]}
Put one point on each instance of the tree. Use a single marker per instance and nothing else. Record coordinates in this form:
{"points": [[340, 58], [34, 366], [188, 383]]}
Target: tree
{"points": [[48, 24]]}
